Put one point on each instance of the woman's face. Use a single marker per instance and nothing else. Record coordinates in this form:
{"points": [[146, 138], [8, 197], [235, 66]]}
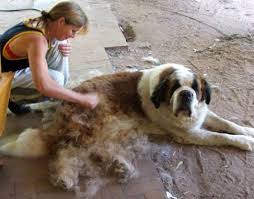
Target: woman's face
{"points": [[64, 31]]}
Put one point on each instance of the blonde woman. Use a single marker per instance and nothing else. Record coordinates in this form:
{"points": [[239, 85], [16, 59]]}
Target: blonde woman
{"points": [[36, 52]]}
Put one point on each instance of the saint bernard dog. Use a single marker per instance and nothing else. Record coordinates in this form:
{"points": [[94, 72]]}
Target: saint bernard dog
{"points": [[168, 99]]}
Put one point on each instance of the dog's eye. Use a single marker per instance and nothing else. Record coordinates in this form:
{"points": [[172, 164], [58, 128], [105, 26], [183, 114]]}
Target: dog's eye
{"points": [[175, 85], [194, 86]]}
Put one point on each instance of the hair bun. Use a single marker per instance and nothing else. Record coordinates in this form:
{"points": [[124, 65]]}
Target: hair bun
{"points": [[45, 14]]}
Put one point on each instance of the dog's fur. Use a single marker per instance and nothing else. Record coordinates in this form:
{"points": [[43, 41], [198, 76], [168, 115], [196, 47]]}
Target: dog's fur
{"points": [[102, 143]]}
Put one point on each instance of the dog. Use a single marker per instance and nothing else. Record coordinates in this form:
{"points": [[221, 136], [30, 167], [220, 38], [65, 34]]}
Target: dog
{"points": [[101, 144]]}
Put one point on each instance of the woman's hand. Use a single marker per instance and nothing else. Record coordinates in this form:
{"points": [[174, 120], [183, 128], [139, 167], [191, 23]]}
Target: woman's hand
{"points": [[65, 48], [89, 100]]}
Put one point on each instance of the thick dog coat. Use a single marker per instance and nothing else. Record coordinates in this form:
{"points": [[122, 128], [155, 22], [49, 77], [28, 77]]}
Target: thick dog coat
{"points": [[102, 143]]}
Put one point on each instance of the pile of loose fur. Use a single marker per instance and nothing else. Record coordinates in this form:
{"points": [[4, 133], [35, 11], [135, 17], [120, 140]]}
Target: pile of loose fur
{"points": [[108, 155], [98, 145]]}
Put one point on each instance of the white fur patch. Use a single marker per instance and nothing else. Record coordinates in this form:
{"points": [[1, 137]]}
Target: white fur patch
{"points": [[27, 144]]}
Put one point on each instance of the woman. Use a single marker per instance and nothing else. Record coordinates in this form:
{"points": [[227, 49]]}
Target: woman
{"points": [[32, 53], [26, 49]]}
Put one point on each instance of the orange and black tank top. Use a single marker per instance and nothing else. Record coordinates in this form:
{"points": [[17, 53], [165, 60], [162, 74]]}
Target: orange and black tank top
{"points": [[9, 61]]}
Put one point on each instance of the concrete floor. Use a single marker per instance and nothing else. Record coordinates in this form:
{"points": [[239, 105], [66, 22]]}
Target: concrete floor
{"points": [[29, 178]]}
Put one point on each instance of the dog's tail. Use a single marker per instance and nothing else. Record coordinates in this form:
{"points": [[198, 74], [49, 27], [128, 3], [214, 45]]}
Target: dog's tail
{"points": [[28, 144]]}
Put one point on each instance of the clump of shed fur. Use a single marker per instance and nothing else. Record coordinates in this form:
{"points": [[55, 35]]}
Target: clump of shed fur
{"points": [[98, 145]]}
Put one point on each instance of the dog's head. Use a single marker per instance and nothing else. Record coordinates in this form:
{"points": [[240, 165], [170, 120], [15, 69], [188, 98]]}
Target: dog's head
{"points": [[179, 88]]}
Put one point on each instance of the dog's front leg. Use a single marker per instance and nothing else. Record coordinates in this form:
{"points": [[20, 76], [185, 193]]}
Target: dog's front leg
{"points": [[210, 138], [219, 124]]}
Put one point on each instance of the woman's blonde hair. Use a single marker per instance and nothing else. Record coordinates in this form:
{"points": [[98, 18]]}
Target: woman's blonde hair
{"points": [[71, 11]]}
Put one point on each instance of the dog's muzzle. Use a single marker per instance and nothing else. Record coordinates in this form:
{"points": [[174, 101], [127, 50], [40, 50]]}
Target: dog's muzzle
{"points": [[185, 98]]}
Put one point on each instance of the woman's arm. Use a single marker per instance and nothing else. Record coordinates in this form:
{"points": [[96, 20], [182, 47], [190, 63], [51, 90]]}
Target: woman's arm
{"points": [[36, 50]]}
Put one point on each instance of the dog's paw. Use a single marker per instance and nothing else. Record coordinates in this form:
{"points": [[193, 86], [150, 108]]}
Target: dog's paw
{"points": [[248, 131], [67, 179], [66, 183], [247, 144], [122, 169]]}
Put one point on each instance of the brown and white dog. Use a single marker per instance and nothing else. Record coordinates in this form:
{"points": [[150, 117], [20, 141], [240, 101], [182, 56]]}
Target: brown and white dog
{"points": [[101, 143], [177, 100]]}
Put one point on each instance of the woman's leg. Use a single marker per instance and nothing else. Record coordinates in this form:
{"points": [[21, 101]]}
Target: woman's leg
{"points": [[23, 85], [56, 61], [23, 78]]}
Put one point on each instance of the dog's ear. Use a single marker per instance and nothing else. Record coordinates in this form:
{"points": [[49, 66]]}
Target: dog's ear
{"points": [[206, 92], [159, 93]]}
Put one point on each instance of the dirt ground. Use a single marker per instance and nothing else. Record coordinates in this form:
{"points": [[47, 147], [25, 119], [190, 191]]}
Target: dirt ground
{"points": [[211, 37]]}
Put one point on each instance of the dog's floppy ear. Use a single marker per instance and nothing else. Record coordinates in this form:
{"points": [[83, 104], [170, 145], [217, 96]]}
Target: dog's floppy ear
{"points": [[206, 92], [159, 93]]}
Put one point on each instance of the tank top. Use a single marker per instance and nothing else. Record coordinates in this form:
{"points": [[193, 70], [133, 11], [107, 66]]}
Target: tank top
{"points": [[12, 62]]}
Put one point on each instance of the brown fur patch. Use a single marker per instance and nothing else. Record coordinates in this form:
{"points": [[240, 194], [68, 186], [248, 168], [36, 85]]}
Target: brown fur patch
{"points": [[117, 93], [170, 84], [200, 88], [166, 73], [196, 86]]}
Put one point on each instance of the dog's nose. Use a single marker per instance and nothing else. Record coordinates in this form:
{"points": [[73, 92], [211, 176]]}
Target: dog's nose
{"points": [[186, 95]]}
